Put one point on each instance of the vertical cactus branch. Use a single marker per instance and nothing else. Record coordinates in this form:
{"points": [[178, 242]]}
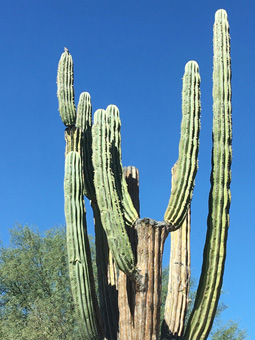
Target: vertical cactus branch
{"points": [[106, 267], [80, 266], [129, 212], [109, 202], [211, 278], [65, 90], [107, 282], [186, 166], [84, 122]]}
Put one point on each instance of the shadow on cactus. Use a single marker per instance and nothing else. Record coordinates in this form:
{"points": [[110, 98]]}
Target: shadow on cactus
{"points": [[129, 249]]}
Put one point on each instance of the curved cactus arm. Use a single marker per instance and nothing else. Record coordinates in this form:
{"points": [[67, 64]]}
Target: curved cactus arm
{"points": [[65, 90], [107, 195], [80, 266], [129, 211], [84, 122], [210, 283], [186, 166]]}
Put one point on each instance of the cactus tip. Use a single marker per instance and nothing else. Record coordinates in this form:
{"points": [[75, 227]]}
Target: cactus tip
{"points": [[86, 96], [112, 107], [191, 65], [220, 15], [112, 110]]}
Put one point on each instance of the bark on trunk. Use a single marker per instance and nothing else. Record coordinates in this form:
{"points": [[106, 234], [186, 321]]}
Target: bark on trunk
{"points": [[178, 284]]}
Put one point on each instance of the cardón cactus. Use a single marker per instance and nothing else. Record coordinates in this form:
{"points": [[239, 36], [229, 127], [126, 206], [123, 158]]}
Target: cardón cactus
{"points": [[129, 249]]}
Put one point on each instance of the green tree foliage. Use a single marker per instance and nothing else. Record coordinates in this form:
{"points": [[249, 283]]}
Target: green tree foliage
{"points": [[35, 300], [35, 297], [228, 331]]}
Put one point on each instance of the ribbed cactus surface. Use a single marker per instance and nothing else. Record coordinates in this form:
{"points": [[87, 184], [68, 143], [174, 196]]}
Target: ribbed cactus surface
{"points": [[219, 201], [65, 91], [84, 123], [129, 250], [186, 166], [111, 187], [79, 257]]}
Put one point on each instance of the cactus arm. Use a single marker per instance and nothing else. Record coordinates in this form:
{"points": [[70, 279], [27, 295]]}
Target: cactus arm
{"points": [[84, 122], [107, 195], [65, 90], [80, 266], [107, 281], [129, 211], [210, 284], [186, 166]]}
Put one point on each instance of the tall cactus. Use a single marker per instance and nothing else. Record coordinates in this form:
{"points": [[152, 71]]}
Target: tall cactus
{"points": [[129, 249], [219, 201]]}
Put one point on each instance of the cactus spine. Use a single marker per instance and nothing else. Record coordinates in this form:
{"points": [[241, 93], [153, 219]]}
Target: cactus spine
{"points": [[130, 300]]}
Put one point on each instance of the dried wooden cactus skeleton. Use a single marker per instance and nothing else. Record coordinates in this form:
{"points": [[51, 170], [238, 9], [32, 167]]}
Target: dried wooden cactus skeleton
{"points": [[129, 249]]}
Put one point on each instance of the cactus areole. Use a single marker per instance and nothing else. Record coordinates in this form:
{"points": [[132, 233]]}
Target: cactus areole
{"points": [[129, 249]]}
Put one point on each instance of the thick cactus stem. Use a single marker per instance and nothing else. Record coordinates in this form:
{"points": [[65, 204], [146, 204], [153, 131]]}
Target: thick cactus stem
{"points": [[84, 115], [65, 90], [211, 278], [107, 193], [80, 266], [186, 166], [107, 283], [84, 122]]}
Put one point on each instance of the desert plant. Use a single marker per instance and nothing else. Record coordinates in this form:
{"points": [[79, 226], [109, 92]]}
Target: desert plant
{"points": [[129, 249]]}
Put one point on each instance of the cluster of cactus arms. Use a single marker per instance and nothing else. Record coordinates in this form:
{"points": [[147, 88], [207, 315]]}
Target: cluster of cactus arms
{"points": [[129, 249]]}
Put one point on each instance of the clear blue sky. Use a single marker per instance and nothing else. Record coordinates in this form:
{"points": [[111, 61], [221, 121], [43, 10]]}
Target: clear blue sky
{"points": [[132, 54]]}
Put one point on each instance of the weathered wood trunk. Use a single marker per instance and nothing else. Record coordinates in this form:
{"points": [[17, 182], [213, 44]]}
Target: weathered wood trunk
{"points": [[139, 306]]}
